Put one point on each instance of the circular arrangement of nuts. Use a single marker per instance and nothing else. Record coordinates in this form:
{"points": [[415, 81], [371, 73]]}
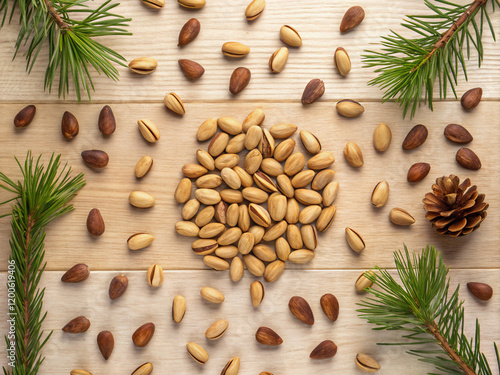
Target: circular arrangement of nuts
{"points": [[269, 198]]}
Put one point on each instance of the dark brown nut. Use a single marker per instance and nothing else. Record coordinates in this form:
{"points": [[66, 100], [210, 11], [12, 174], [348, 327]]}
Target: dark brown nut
{"points": [[330, 306], [69, 125], [468, 159], [191, 69], [25, 116], [326, 349], [415, 137], [95, 158], [457, 134], [266, 336], [471, 98], [189, 32], [301, 309], [143, 334], [78, 325], [313, 91], [107, 122], [480, 290], [352, 18], [95, 222], [418, 172], [106, 343], [239, 80], [118, 286], [76, 274]]}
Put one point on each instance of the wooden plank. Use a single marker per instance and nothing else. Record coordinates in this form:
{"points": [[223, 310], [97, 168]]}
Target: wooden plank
{"points": [[155, 34], [68, 241], [167, 349]]}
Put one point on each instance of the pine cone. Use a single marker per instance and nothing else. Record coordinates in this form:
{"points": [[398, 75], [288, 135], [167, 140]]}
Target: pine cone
{"points": [[454, 208]]}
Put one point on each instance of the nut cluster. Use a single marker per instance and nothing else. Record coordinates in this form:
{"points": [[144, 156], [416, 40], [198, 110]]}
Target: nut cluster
{"points": [[245, 205]]}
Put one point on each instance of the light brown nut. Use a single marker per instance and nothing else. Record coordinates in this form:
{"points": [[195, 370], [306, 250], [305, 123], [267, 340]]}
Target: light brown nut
{"points": [[141, 199], [330, 193], [308, 197], [252, 161], [278, 60], [380, 194], [229, 125], [277, 207], [189, 32], [292, 211], [282, 248], [283, 131], [139, 241], [178, 308], [354, 240], [257, 293], [353, 155], [309, 214], [229, 237], [239, 80], [205, 159], [183, 190], [211, 230], [246, 243], [321, 161], [272, 167], [196, 351], [322, 179], [257, 232], [155, 275], [285, 186], [284, 150], [310, 142], [217, 329], [330, 306], [264, 182], [174, 103], [208, 181], [232, 215], [256, 117], [215, 263], [192, 4], [264, 253], [144, 369], [207, 130], [274, 270], [366, 363], [253, 137], [267, 144], [313, 91], [302, 179], [294, 164], [218, 144], [349, 108], [399, 216], [231, 196], [254, 265], [236, 144], [309, 236], [294, 237], [143, 65], [193, 170], [255, 9], [208, 196], [301, 256], [232, 367], [244, 218], [236, 270], [259, 215], [187, 228], [204, 246], [342, 61], [290, 36], [245, 177], [231, 178], [226, 252], [143, 166], [364, 281], [212, 294], [382, 137], [235, 49], [226, 161]]}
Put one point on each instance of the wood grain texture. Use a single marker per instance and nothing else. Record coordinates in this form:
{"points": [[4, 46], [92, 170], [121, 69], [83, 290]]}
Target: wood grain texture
{"points": [[167, 351], [155, 35], [68, 241]]}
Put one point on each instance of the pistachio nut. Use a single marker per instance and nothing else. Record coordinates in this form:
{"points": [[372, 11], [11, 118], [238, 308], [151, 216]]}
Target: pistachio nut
{"points": [[143, 65], [174, 103]]}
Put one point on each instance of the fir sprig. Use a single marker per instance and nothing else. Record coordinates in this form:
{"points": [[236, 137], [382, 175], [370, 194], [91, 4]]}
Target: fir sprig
{"points": [[422, 308], [409, 67], [67, 28], [42, 196]]}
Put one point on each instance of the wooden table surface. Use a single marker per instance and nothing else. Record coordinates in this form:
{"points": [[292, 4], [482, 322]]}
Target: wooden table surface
{"points": [[335, 267]]}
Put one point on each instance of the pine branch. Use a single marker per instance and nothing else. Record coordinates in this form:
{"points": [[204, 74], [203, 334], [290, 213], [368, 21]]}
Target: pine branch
{"points": [[409, 67], [71, 47], [420, 306], [42, 196]]}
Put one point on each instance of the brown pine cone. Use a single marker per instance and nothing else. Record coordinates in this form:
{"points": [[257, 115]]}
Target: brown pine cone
{"points": [[454, 208]]}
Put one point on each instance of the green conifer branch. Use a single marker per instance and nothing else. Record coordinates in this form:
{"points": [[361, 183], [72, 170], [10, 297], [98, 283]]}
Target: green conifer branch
{"points": [[421, 306], [42, 196], [408, 67]]}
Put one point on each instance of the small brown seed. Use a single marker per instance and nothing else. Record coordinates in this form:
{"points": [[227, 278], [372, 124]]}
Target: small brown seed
{"points": [[76, 274], [313, 91], [95, 222], [69, 125], [480, 290], [25, 116], [415, 137], [239, 80], [191, 69], [106, 122], [468, 159], [118, 286], [471, 98], [257, 293], [418, 172], [457, 134], [352, 18], [95, 158], [189, 32], [326, 349], [301, 309], [106, 343], [330, 306], [77, 325], [266, 336]]}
